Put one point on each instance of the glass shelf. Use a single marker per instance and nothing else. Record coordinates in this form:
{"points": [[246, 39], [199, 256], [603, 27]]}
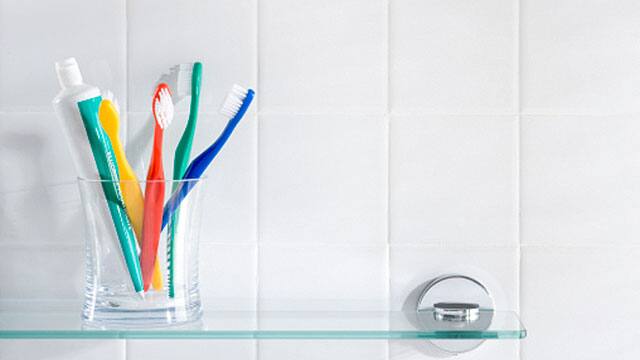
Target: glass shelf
{"points": [[38, 322]]}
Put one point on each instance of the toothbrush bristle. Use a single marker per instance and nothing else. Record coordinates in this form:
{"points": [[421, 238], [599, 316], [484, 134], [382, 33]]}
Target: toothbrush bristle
{"points": [[108, 95], [184, 79], [179, 79], [163, 107], [116, 105], [234, 100]]}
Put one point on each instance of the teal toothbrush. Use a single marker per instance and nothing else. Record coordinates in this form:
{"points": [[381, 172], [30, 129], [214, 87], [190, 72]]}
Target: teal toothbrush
{"points": [[181, 160], [108, 171]]}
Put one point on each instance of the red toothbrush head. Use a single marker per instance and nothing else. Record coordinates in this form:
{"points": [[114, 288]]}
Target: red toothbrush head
{"points": [[162, 105]]}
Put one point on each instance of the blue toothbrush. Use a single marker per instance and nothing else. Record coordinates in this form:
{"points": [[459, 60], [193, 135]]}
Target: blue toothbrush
{"points": [[234, 107]]}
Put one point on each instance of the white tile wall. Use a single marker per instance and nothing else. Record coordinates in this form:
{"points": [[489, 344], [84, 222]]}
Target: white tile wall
{"points": [[323, 277], [322, 350], [62, 350], [33, 35], [37, 179], [567, 294], [417, 350], [42, 282], [322, 179], [326, 58], [453, 180], [228, 276], [191, 349], [578, 56], [392, 140], [456, 56], [580, 180]]}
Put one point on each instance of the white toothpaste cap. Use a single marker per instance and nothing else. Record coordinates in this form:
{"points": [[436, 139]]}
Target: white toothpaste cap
{"points": [[68, 72]]}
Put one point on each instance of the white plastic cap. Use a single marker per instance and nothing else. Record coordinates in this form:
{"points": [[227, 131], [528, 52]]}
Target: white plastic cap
{"points": [[68, 72]]}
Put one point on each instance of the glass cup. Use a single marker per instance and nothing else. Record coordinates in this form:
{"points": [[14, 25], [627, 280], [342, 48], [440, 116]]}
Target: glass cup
{"points": [[110, 297]]}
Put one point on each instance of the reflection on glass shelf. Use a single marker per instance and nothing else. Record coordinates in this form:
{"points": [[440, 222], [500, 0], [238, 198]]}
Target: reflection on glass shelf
{"points": [[35, 321]]}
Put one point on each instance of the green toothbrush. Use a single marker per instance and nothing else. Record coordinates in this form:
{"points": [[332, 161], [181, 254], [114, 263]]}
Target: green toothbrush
{"points": [[181, 160], [109, 175]]}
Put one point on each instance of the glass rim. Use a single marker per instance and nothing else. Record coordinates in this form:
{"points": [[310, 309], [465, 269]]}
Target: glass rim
{"points": [[84, 180]]}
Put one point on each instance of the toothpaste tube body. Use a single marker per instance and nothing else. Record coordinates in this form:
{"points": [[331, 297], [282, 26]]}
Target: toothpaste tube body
{"points": [[76, 107]]}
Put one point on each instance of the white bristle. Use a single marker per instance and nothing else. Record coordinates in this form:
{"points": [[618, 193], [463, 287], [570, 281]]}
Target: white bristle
{"points": [[179, 80], [233, 102], [116, 105], [164, 108], [183, 84], [108, 95]]}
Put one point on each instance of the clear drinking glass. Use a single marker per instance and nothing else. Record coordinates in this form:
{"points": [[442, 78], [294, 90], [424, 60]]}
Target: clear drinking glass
{"points": [[110, 297]]}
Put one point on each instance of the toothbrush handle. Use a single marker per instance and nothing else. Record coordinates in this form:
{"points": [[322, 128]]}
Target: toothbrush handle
{"points": [[183, 149], [202, 161], [181, 160], [193, 173], [153, 199], [131, 191], [108, 170]]}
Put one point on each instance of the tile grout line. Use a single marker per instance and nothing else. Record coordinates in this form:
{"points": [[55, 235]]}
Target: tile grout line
{"points": [[124, 349], [68, 246], [126, 89], [518, 89], [27, 112], [256, 354], [388, 161]]}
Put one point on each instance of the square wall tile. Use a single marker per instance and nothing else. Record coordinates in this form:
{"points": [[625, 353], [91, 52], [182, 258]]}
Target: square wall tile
{"points": [[323, 277], [62, 349], [55, 209], [230, 199], [412, 266], [228, 276], [323, 350], [34, 35], [191, 349], [328, 58], [163, 33], [322, 179], [580, 180], [35, 151], [580, 56], [42, 282], [505, 349], [580, 303], [453, 180], [453, 56], [39, 184]]}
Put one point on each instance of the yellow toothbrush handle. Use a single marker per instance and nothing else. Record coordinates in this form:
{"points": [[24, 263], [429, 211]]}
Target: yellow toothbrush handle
{"points": [[131, 192], [134, 201]]}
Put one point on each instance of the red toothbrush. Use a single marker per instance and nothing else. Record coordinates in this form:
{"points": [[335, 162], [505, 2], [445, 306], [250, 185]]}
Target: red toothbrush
{"points": [[162, 107]]}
